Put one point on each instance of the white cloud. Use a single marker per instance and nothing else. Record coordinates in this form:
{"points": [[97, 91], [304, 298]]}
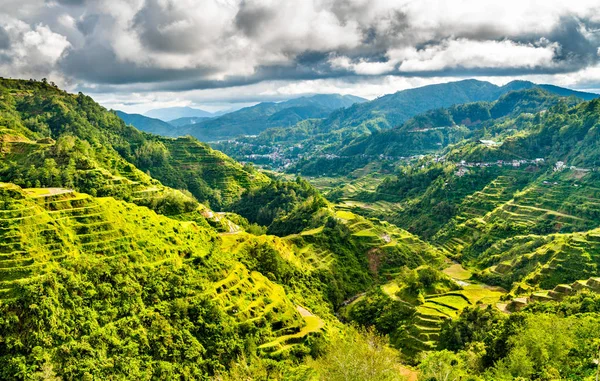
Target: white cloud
{"points": [[470, 54], [33, 50], [452, 54], [362, 67], [140, 48]]}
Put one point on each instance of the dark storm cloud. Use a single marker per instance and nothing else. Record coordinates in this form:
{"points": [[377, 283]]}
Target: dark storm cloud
{"points": [[87, 24], [72, 2], [156, 26], [180, 45], [576, 49], [250, 19], [98, 64], [4, 39]]}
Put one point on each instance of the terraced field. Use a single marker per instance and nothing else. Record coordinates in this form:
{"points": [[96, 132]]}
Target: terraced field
{"points": [[385, 240], [41, 227], [217, 170], [460, 231], [529, 262], [424, 327], [497, 192], [557, 294], [285, 343], [253, 299], [545, 206], [305, 257]]}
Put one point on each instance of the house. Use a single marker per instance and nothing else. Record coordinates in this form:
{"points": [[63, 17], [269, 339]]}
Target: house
{"points": [[461, 172], [488, 143]]}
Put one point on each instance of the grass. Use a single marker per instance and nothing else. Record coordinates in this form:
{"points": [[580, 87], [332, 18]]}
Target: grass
{"points": [[481, 294], [345, 215], [453, 301], [391, 289], [366, 233], [456, 271], [312, 324], [313, 231]]}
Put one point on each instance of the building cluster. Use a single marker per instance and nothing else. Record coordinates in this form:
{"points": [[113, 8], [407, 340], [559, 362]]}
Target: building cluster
{"points": [[502, 163], [561, 166], [464, 165]]}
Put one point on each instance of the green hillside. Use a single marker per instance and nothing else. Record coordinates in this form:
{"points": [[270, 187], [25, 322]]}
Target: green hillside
{"points": [[146, 124], [128, 255], [109, 271]]}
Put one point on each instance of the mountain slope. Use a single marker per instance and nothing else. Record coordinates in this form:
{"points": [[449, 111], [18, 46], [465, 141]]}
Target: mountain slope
{"points": [[170, 113], [115, 283], [99, 278], [252, 120], [95, 152], [393, 109], [147, 124], [185, 121], [434, 130]]}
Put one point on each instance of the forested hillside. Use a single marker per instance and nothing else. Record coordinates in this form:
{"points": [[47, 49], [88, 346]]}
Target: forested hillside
{"points": [[255, 119], [131, 277], [410, 122], [128, 255]]}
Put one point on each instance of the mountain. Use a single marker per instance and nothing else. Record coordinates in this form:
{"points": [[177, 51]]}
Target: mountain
{"points": [[105, 248], [185, 121], [436, 129], [394, 109], [366, 129], [147, 124], [167, 259], [252, 120], [170, 113], [568, 92]]}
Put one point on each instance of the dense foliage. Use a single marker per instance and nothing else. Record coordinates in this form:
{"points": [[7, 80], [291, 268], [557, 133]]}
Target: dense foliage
{"points": [[126, 255]]}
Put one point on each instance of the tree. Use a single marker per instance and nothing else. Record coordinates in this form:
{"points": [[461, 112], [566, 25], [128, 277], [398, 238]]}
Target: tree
{"points": [[358, 356], [442, 366]]}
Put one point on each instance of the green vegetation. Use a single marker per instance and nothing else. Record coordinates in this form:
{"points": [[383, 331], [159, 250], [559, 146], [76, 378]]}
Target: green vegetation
{"points": [[527, 345], [255, 119], [94, 286], [126, 255], [146, 124]]}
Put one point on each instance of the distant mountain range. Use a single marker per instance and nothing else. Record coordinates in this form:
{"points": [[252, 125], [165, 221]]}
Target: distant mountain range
{"points": [[255, 119], [385, 126], [187, 120], [394, 109], [345, 116], [247, 121], [147, 124], [158, 126], [171, 113]]}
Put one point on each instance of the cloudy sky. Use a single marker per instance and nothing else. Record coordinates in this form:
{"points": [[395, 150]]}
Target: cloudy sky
{"points": [[136, 55]]}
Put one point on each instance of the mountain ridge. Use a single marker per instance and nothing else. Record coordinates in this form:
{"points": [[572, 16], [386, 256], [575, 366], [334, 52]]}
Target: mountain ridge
{"points": [[167, 114], [254, 119]]}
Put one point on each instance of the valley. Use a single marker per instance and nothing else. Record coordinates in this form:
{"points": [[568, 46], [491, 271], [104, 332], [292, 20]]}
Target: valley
{"points": [[299, 190], [167, 258]]}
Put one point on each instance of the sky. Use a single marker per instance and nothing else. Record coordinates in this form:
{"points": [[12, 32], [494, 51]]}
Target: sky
{"points": [[135, 55]]}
